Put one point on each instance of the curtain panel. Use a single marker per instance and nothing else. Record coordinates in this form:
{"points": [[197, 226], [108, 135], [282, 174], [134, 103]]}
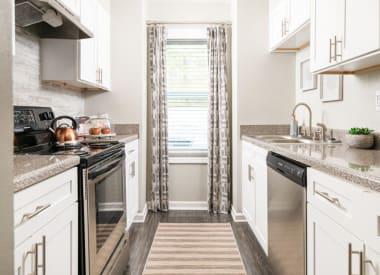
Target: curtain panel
{"points": [[219, 143], [157, 78]]}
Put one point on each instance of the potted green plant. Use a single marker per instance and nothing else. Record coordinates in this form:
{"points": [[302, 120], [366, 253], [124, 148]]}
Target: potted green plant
{"points": [[361, 138]]}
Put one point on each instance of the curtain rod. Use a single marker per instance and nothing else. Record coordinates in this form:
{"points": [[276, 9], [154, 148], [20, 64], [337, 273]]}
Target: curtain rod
{"points": [[189, 23]]}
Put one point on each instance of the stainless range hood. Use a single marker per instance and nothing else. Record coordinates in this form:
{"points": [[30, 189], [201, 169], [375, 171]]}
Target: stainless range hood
{"points": [[49, 19]]}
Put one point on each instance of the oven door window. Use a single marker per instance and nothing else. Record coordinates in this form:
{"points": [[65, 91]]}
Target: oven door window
{"points": [[110, 209]]}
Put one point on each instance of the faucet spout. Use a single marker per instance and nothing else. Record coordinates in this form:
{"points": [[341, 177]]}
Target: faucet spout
{"points": [[310, 115]]}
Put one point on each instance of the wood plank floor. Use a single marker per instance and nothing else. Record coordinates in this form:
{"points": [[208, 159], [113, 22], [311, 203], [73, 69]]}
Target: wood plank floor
{"points": [[141, 237]]}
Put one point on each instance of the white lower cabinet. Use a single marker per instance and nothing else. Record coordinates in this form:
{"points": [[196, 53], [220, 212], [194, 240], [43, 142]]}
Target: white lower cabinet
{"points": [[329, 246], [343, 225], [132, 180], [46, 236], [255, 191]]}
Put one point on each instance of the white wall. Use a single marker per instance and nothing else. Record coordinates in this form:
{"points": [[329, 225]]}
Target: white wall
{"points": [[263, 83], [357, 108], [188, 182], [127, 101], [6, 144], [188, 10]]}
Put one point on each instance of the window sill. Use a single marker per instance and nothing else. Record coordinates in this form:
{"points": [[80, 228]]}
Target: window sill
{"points": [[188, 160]]}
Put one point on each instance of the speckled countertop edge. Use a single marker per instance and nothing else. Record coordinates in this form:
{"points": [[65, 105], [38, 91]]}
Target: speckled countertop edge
{"points": [[126, 138], [371, 182], [37, 168]]}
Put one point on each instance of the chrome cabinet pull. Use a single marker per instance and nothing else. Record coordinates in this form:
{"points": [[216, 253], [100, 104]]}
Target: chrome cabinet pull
{"points": [[336, 42], [36, 264], [330, 58], [250, 173], [38, 210], [326, 196], [286, 26], [24, 258], [282, 27], [130, 151], [361, 258]]}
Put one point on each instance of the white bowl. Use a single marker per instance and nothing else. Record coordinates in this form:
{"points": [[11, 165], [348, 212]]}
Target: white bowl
{"points": [[360, 141]]}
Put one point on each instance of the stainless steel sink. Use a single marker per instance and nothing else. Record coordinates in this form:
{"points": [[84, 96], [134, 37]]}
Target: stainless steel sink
{"points": [[285, 139]]}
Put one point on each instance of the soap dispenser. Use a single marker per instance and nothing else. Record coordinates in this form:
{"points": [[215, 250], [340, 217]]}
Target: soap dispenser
{"points": [[293, 127]]}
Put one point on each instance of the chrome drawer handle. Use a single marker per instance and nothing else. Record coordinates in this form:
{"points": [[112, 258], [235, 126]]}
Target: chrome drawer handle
{"points": [[326, 196], [38, 210], [361, 259], [131, 151]]}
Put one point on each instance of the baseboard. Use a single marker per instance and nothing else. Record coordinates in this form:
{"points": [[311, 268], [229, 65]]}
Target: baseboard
{"points": [[140, 216], [110, 206], [188, 205], [237, 216]]}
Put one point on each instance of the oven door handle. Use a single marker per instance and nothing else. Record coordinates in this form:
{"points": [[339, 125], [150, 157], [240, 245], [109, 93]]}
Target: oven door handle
{"points": [[104, 171]]}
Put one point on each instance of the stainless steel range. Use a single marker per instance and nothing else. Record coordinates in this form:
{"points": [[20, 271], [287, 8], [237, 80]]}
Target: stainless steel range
{"points": [[101, 189]]}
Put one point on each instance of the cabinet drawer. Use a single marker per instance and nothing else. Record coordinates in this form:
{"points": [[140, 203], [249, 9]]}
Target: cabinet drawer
{"points": [[33, 207], [132, 147], [331, 196]]}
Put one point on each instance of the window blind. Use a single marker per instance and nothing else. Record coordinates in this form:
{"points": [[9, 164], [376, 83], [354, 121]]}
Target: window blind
{"points": [[187, 94]]}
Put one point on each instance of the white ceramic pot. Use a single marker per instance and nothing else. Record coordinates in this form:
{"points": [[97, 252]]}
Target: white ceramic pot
{"points": [[360, 141]]}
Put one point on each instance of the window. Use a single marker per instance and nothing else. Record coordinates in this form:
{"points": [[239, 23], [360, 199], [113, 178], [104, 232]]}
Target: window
{"points": [[187, 94]]}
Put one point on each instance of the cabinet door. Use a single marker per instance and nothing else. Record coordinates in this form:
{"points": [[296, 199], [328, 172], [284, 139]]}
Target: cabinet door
{"points": [[329, 246], [248, 197], [245, 181], [279, 18], [362, 27], [87, 49], [299, 13], [327, 22], [132, 190], [57, 242], [103, 43], [261, 199], [372, 262]]}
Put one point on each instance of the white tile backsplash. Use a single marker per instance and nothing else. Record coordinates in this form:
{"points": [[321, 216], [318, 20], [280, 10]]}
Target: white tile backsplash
{"points": [[27, 86]]}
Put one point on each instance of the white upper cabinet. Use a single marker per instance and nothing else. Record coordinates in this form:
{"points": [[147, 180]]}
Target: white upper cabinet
{"points": [[299, 13], [327, 32], [344, 35], [103, 43], [362, 28], [84, 64], [279, 21], [87, 53], [289, 25]]}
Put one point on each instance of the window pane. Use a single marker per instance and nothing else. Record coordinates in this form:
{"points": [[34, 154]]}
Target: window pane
{"points": [[187, 92]]}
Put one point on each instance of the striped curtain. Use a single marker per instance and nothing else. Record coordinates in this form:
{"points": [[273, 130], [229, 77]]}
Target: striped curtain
{"points": [[157, 76], [219, 147]]}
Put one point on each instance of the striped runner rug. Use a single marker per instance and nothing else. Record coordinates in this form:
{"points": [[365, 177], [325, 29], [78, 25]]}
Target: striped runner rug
{"points": [[194, 248]]}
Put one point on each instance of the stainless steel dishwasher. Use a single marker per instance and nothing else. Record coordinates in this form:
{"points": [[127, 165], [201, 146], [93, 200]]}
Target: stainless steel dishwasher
{"points": [[286, 215]]}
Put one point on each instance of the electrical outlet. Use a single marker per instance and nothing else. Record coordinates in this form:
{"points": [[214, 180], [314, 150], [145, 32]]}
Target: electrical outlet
{"points": [[377, 100]]}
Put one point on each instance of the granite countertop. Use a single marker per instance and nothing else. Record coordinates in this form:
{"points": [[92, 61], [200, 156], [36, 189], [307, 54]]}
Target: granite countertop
{"points": [[31, 169], [126, 138], [355, 165]]}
